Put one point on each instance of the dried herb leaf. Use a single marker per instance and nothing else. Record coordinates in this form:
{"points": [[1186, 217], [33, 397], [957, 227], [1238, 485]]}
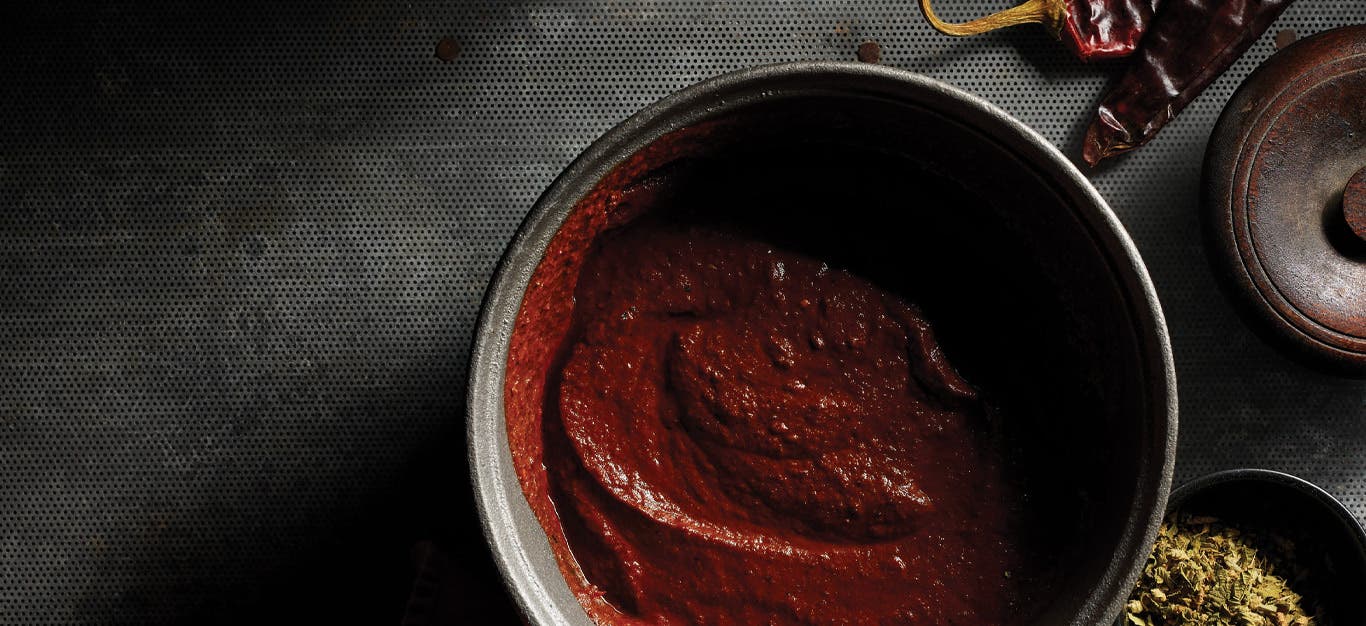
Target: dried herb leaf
{"points": [[1204, 573]]}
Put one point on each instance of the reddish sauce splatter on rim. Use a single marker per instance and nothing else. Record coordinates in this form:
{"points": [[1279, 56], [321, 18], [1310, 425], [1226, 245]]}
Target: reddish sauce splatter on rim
{"points": [[734, 433]]}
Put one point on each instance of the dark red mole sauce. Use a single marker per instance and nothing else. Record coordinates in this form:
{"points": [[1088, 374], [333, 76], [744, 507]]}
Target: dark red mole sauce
{"points": [[744, 435], [713, 429]]}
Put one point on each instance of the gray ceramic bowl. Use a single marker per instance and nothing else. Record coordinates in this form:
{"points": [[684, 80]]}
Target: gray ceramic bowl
{"points": [[1034, 288]]}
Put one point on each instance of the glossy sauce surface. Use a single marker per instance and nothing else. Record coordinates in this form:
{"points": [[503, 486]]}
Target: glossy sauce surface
{"points": [[735, 433]]}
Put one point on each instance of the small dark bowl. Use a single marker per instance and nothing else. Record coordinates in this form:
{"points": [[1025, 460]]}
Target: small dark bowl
{"points": [[1325, 532]]}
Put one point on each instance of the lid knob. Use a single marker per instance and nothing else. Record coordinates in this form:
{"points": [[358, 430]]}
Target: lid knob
{"points": [[1354, 203]]}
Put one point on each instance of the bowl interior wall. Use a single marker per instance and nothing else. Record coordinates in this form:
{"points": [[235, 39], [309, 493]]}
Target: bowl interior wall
{"points": [[1022, 298]]}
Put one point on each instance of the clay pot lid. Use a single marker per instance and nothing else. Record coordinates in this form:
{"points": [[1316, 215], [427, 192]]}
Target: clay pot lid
{"points": [[1285, 198]]}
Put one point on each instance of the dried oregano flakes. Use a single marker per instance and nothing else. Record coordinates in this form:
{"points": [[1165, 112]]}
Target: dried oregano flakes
{"points": [[1203, 572]]}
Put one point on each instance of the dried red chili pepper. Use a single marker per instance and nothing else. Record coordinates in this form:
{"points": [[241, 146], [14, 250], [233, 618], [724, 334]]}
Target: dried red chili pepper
{"points": [[1190, 45], [1093, 29]]}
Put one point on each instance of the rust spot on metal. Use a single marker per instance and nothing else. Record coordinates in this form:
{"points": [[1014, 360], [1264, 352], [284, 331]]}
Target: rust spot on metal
{"points": [[447, 49], [870, 52], [1286, 37]]}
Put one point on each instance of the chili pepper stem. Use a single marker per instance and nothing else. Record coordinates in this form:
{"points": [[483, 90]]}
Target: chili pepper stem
{"points": [[1051, 13]]}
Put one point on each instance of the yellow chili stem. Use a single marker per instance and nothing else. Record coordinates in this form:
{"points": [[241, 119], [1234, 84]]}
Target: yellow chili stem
{"points": [[1050, 13]]}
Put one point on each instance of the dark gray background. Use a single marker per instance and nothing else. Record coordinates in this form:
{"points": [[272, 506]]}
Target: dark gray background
{"points": [[242, 248]]}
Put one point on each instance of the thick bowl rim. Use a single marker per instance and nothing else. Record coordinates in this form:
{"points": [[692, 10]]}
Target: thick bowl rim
{"points": [[510, 528], [1190, 488]]}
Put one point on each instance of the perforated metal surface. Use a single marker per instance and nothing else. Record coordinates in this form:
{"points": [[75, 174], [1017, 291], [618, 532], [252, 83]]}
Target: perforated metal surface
{"points": [[242, 248]]}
